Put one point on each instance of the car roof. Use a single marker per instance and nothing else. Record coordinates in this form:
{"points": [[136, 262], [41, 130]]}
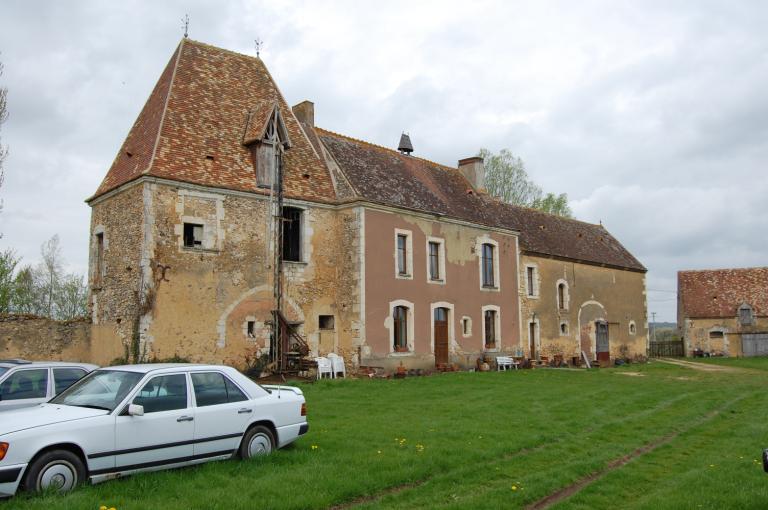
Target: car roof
{"points": [[154, 367], [10, 363]]}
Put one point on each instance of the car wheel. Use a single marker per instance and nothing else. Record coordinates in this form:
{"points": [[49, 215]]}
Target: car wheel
{"points": [[257, 441], [58, 470]]}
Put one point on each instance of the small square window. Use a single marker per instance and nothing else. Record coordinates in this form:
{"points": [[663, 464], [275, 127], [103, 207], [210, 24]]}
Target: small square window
{"points": [[326, 322], [193, 235]]}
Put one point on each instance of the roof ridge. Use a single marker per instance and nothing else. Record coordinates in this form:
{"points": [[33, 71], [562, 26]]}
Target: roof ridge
{"points": [[446, 167], [386, 149], [179, 51], [723, 269], [200, 43]]}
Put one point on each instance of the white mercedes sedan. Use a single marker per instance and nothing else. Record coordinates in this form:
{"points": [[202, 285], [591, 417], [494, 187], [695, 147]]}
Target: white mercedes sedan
{"points": [[121, 420]]}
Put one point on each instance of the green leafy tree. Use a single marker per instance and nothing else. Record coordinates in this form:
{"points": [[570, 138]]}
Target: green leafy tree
{"points": [[8, 263], [507, 180], [554, 204]]}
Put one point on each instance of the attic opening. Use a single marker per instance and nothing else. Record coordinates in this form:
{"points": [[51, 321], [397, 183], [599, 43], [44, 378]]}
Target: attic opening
{"points": [[267, 137]]}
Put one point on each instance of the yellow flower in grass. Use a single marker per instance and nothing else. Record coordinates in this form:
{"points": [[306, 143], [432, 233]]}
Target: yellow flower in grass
{"points": [[314, 447], [514, 487]]}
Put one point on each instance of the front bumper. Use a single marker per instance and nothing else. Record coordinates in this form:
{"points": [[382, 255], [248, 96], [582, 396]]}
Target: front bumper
{"points": [[10, 478]]}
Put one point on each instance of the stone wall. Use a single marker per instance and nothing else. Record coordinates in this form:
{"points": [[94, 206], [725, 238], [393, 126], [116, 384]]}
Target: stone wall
{"points": [[592, 293], [720, 336], [213, 303], [41, 339]]}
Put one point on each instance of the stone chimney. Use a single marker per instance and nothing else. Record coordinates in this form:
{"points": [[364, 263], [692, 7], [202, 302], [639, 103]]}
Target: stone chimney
{"points": [[474, 170], [305, 112]]}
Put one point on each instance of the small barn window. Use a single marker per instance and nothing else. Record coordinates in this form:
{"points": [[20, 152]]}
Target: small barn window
{"points": [[193, 235], [563, 328], [745, 315], [632, 328], [251, 329], [292, 234], [716, 335], [531, 284]]}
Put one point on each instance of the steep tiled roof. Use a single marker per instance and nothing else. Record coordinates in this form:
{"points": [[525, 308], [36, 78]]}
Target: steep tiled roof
{"points": [[385, 176], [720, 292], [193, 125]]}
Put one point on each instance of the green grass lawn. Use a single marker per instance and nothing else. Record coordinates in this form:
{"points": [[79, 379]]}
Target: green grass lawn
{"points": [[490, 440], [754, 363]]}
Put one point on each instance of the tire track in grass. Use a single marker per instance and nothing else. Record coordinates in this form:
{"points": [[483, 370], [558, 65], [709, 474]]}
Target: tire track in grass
{"points": [[570, 490], [396, 489]]}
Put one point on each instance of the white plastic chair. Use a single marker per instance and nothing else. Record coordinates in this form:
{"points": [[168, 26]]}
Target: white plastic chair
{"points": [[324, 366], [337, 365]]}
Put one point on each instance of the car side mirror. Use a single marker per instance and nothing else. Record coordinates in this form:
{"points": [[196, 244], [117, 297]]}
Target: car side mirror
{"points": [[135, 410]]}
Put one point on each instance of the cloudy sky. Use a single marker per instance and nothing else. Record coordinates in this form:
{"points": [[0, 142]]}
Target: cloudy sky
{"points": [[652, 116]]}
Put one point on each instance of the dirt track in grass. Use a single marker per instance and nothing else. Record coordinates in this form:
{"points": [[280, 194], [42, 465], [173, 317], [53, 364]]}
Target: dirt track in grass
{"points": [[704, 367]]}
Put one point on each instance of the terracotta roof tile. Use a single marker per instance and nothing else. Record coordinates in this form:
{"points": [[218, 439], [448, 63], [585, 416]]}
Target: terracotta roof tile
{"points": [[385, 176], [720, 292], [204, 98]]}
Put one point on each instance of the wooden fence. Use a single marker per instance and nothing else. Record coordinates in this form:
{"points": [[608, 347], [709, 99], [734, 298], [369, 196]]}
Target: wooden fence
{"points": [[667, 348]]}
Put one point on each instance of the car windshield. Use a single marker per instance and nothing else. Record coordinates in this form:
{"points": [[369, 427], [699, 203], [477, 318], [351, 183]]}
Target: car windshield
{"points": [[102, 389]]}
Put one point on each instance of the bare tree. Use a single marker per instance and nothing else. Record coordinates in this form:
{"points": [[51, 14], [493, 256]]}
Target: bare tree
{"points": [[3, 116], [48, 273], [71, 298]]}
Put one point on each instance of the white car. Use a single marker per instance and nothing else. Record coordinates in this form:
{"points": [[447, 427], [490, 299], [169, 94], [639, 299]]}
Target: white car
{"points": [[27, 383], [121, 420]]}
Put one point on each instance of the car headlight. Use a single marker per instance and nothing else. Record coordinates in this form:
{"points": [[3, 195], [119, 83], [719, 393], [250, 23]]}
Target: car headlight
{"points": [[3, 450]]}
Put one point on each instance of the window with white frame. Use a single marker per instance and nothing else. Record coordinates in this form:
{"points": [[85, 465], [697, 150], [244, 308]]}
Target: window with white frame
{"points": [[466, 326], [400, 326], [403, 254], [400, 323], [531, 280], [435, 260], [488, 254]]}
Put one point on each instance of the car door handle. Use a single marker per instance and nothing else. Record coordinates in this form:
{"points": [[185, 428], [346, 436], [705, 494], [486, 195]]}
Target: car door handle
{"points": [[243, 411], [184, 418]]}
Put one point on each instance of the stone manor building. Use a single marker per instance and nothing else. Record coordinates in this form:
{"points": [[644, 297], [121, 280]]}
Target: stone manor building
{"points": [[383, 257]]}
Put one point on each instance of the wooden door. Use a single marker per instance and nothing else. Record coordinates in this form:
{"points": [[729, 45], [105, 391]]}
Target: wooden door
{"points": [[532, 340], [441, 336], [602, 346]]}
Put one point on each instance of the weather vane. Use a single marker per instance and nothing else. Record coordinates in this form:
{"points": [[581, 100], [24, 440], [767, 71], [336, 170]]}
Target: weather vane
{"points": [[259, 43], [185, 25]]}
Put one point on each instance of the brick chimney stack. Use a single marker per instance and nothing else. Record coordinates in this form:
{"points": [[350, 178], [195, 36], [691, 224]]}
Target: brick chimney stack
{"points": [[474, 170], [305, 112]]}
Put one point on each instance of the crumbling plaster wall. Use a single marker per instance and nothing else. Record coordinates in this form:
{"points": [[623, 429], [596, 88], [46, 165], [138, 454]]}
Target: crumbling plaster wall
{"points": [[205, 297], [113, 297], [460, 291], [697, 334], [593, 293]]}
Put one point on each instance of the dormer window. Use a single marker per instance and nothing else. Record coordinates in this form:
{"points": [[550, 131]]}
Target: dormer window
{"points": [[267, 137], [745, 315]]}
